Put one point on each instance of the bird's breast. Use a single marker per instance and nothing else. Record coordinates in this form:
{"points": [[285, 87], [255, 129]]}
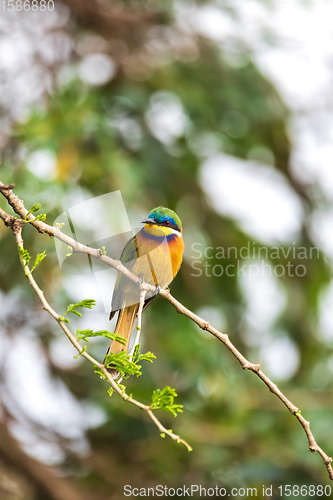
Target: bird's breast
{"points": [[159, 256]]}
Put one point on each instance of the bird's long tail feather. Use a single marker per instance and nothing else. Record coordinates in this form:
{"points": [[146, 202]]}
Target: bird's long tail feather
{"points": [[123, 328]]}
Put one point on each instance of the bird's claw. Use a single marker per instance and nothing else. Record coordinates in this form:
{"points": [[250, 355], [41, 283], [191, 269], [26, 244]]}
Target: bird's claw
{"points": [[158, 289]]}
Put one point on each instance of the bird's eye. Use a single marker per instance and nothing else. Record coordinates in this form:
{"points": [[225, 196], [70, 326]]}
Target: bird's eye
{"points": [[167, 223]]}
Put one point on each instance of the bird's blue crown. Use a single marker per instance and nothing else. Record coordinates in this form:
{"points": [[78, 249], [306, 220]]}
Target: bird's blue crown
{"points": [[163, 214]]}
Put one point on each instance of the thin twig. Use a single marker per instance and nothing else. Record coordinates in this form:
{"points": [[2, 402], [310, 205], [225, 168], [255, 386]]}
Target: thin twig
{"points": [[18, 207], [54, 231], [255, 368], [138, 328], [139, 316], [6, 187]]}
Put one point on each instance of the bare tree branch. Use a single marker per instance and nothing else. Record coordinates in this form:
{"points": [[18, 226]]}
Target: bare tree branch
{"points": [[138, 327], [19, 208]]}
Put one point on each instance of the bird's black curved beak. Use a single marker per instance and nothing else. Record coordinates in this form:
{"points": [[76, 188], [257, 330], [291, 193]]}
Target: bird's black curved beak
{"points": [[148, 221]]}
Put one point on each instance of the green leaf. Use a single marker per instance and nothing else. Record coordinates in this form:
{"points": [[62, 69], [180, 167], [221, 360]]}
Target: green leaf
{"points": [[38, 260], [149, 356], [80, 354], [123, 390], [70, 251], [122, 363], [137, 356], [164, 399], [33, 209], [84, 334], [136, 352], [72, 308], [25, 256], [100, 373], [41, 217]]}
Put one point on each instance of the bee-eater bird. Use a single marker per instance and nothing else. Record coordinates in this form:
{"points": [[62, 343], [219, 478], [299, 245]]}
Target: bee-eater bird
{"points": [[154, 254]]}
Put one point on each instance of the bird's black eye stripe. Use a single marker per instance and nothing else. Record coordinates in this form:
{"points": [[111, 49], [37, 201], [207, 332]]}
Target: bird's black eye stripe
{"points": [[173, 226], [167, 223]]}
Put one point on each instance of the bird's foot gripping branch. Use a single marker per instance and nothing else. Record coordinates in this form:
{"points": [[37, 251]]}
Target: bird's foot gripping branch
{"points": [[129, 363]]}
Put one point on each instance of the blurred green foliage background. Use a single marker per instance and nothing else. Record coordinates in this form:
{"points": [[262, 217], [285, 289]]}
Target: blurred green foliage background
{"points": [[142, 118]]}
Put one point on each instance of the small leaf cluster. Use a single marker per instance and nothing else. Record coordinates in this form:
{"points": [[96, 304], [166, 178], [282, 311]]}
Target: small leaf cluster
{"points": [[80, 354], [126, 364], [70, 251], [38, 260], [138, 356], [25, 256], [164, 399], [35, 208], [84, 334], [89, 303]]}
